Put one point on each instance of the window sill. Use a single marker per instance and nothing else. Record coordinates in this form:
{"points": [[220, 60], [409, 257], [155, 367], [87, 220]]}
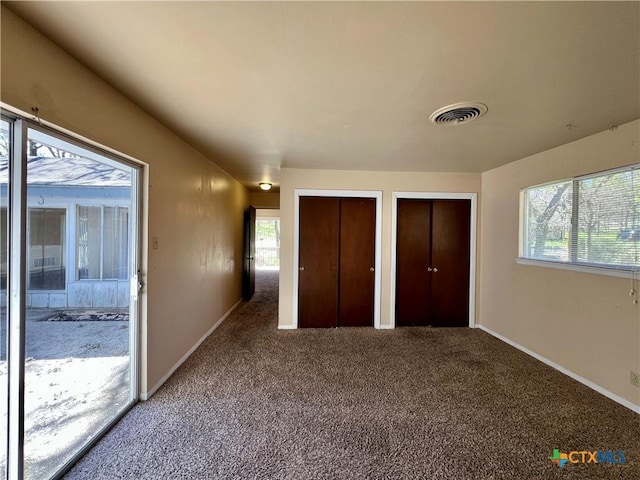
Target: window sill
{"points": [[622, 272]]}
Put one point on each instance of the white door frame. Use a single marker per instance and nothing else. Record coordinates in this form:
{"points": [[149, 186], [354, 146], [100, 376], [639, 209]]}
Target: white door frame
{"points": [[377, 195], [472, 243]]}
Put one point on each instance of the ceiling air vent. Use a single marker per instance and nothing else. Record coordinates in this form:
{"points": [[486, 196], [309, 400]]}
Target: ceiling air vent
{"points": [[458, 113]]}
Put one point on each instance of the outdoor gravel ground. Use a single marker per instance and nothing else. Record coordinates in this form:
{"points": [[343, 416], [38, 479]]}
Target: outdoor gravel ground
{"points": [[76, 380]]}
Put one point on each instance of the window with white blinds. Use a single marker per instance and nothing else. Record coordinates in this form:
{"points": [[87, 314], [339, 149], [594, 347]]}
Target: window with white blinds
{"points": [[593, 220]]}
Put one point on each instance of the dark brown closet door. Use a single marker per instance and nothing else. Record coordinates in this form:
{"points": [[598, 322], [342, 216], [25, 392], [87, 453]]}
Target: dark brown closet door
{"points": [[318, 262], [450, 240], [412, 261], [357, 260]]}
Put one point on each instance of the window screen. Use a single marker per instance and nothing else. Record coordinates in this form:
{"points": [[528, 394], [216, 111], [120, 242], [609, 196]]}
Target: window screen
{"points": [[103, 243], [46, 254]]}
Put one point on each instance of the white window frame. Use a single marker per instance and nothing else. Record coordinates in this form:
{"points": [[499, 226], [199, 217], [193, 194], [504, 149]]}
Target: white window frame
{"points": [[76, 242], [51, 206], [582, 267]]}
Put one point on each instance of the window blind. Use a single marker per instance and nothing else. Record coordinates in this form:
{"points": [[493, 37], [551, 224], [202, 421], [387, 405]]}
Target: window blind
{"points": [[589, 220]]}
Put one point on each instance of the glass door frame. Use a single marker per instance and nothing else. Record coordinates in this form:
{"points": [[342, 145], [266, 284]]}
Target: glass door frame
{"points": [[17, 207]]}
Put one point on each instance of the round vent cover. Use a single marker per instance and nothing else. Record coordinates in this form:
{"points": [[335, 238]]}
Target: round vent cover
{"points": [[458, 113]]}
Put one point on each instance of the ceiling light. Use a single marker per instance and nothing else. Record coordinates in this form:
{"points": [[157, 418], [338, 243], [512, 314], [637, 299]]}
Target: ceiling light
{"points": [[265, 186], [458, 113]]}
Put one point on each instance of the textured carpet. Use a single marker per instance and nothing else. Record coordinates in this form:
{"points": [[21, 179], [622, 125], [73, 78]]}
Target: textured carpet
{"points": [[254, 402]]}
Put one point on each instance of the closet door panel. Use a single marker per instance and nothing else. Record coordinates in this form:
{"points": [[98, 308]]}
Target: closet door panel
{"points": [[319, 224], [357, 259], [450, 237], [412, 262]]}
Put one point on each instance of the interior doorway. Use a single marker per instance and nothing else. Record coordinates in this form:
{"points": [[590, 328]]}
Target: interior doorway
{"points": [[267, 239]]}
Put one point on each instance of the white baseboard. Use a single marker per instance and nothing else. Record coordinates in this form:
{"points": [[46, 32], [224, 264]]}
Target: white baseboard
{"points": [[148, 394], [293, 327], [287, 327], [616, 398]]}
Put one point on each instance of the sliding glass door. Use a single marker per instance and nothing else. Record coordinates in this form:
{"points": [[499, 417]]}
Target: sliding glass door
{"points": [[77, 321], [4, 260]]}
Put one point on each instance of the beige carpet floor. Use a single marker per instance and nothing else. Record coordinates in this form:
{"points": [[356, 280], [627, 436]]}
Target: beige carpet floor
{"points": [[254, 402]]}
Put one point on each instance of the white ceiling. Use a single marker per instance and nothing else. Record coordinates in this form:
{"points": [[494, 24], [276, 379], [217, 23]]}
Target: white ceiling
{"points": [[259, 86]]}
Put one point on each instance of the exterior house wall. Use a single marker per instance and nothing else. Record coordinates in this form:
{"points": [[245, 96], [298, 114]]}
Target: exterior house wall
{"points": [[77, 293]]}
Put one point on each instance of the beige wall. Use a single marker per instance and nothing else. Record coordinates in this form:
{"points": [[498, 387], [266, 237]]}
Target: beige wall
{"points": [[585, 323], [268, 213], [194, 208], [265, 199], [387, 182]]}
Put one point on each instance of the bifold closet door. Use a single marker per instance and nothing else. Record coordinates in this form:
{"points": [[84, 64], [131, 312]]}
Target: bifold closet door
{"points": [[450, 255], [357, 261], [433, 262], [336, 277], [319, 236], [413, 257]]}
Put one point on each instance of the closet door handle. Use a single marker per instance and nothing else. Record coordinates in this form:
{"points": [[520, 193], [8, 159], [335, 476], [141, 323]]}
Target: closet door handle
{"points": [[429, 269], [435, 269], [371, 269], [301, 269]]}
